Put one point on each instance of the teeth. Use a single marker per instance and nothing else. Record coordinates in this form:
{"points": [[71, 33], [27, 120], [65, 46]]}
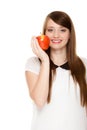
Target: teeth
{"points": [[56, 40]]}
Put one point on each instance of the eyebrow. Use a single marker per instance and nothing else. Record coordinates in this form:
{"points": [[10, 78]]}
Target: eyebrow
{"points": [[53, 26], [50, 27]]}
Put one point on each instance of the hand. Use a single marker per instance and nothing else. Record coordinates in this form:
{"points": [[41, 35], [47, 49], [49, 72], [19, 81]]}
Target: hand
{"points": [[38, 51]]}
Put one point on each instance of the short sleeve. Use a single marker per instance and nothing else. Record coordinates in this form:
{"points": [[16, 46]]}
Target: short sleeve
{"points": [[33, 65]]}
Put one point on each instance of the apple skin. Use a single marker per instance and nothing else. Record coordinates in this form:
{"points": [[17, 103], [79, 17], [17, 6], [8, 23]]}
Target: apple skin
{"points": [[43, 41]]}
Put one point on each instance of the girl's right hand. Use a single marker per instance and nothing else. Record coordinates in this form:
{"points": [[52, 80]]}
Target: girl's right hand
{"points": [[38, 51]]}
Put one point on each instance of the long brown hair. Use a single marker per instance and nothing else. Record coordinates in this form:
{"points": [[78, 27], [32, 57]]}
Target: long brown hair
{"points": [[76, 65]]}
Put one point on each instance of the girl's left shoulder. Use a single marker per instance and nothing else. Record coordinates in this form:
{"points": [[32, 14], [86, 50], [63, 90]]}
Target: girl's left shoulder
{"points": [[84, 60]]}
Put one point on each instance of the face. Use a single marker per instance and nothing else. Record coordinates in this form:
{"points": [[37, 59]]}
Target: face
{"points": [[59, 35]]}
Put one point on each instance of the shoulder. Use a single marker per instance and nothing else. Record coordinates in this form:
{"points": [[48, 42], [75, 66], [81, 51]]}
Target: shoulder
{"points": [[84, 60], [33, 60], [32, 64]]}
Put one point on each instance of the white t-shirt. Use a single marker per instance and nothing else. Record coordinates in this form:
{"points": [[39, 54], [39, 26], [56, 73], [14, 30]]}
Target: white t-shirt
{"points": [[64, 112]]}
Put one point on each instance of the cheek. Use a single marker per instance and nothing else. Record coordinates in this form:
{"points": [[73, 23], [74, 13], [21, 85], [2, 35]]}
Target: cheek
{"points": [[48, 34], [67, 36]]}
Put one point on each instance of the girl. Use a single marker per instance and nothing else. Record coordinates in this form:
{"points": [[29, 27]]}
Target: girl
{"points": [[57, 78]]}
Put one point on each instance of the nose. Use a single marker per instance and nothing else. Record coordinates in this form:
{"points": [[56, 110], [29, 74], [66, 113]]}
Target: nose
{"points": [[56, 33]]}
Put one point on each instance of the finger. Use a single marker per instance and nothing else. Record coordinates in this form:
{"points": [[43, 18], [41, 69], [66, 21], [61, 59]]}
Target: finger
{"points": [[34, 45], [32, 40]]}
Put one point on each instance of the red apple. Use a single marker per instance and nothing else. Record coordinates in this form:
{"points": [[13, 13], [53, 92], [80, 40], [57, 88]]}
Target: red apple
{"points": [[44, 41]]}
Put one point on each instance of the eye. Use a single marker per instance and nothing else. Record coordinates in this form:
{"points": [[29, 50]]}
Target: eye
{"points": [[63, 30], [49, 29]]}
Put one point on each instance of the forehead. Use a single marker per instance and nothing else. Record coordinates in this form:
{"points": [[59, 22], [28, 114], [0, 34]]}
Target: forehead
{"points": [[52, 24]]}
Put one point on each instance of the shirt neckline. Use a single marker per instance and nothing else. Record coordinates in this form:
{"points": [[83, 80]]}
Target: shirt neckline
{"points": [[63, 66]]}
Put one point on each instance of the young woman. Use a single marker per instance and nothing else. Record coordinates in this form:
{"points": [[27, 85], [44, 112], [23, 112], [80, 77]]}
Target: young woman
{"points": [[57, 78]]}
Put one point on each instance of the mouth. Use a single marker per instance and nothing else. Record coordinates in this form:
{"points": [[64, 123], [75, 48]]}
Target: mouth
{"points": [[56, 41]]}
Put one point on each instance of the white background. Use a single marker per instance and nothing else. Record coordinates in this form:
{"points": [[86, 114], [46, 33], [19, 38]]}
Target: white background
{"points": [[19, 21]]}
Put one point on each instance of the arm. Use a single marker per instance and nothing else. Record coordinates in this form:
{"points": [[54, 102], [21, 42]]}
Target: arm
{"points": [[39, 84]]}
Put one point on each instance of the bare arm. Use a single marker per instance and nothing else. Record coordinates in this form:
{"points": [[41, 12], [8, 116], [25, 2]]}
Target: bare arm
{"points": [[39, 84]]}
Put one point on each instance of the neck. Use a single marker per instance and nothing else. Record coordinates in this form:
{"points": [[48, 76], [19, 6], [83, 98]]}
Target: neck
{"points": [[58, 57]]}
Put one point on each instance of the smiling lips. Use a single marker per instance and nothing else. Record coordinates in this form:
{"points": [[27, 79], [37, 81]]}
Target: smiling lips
{"points": [[56, 41]]}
